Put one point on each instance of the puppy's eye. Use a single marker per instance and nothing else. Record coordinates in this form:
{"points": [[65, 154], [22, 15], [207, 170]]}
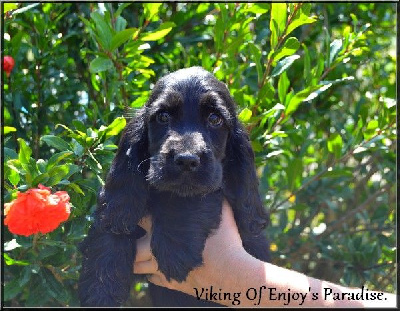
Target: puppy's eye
{"points": [[214, 120], [163, 117]]}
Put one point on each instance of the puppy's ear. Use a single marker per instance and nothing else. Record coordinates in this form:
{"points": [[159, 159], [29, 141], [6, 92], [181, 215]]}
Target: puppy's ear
{"points": [[241, 183], [122, 201]]}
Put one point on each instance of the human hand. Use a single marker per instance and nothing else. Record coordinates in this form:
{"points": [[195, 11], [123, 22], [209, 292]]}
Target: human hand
{"points": [[223, 248]]}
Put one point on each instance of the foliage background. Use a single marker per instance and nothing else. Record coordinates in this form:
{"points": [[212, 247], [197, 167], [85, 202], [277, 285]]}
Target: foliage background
{"points": [[314, 84]]}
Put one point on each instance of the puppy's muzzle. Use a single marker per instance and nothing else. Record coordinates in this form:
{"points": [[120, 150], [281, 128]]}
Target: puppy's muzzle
{"points": [[186, 152], [187, 162]]}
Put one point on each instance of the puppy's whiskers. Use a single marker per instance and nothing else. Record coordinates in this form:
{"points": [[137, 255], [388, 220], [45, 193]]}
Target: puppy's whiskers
{"points": [[138, 167]]}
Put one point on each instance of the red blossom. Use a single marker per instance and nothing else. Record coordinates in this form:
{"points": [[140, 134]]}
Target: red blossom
{"points": [[37, 210], [8, 64]]}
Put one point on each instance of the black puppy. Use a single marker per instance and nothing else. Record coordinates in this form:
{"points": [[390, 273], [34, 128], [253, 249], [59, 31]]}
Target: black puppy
{"points": [[178, 158]]}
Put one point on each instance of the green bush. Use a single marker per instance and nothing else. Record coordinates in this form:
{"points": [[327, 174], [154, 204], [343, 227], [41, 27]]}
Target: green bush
{"points": [[315, 87]]}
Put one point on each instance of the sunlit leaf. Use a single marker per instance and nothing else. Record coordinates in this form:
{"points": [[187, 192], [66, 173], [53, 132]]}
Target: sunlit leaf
{"points": [[279, 15], [9, 7], [258, 8], [9, 129], [24, 151], [245, 115], [115, 127], [335, 48], [284, 65], [300, 19], [289, 48], [335, 144], [283, 85], [151, 9], [161, 32]]}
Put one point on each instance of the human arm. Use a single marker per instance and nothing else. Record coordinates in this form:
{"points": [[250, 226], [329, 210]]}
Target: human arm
{"points": [[232, 272]]}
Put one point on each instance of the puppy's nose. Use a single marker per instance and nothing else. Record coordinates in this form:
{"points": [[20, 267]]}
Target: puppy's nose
{"points": [[187, 161]]}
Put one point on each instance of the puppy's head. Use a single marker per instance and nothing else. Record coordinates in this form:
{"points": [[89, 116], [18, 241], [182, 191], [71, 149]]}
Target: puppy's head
{"points": [[190, 116]]}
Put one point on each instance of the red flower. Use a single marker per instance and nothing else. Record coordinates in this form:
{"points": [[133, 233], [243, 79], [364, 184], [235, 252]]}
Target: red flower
{"points": [[37, 210], [8, 64]]}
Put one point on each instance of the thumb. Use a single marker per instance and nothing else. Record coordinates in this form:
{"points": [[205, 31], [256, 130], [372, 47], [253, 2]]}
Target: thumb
{"points": [[146, 223]]}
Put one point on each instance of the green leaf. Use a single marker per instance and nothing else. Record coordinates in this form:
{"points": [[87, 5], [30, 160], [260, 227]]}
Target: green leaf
{"points": [[219, 29], [161, 32], [307, 66], [11, 289], [121, 37], [311, 92], [14, 176], [56, 142], [299, 98], [41, 179], [267, 91], [320, 66], [72, 169], [289, 48], [335, 144], [79, 125], [274, 34], [335, 48], [257, 8], [120, 23], [150, 10], [104, 31], [60, 172], [9, 154], [224, 13], [57, 157], [283, 86], [77, 148], [139, 102], [245, 115], [284, 65], [76, 188], [10, 262], [300, 19], [100, 64], [9, 7], [56, 174], [256, 53], [327, 39], [24, 152], [25, 275], [294, 172], [115, 127], [279, 15], [336, 173], [54, 287], [9, 129], [372, 125]]}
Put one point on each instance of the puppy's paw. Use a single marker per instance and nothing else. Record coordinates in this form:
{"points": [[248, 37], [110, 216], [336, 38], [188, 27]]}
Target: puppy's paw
{"points": [[175, 260]]}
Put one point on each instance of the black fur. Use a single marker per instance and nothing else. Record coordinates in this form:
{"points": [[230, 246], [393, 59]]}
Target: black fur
{"points": [[183, 152]]}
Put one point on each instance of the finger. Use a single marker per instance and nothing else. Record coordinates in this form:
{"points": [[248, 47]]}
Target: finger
{"points": [[146, 223], [228, 219], [143, 249]]}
